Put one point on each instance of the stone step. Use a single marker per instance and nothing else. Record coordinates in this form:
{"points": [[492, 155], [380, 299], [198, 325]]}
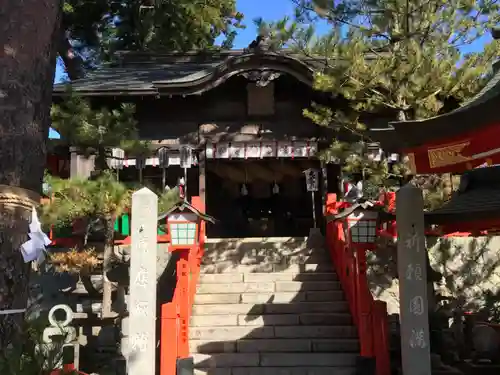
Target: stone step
{"points": [[231, 267], [275, 345], [219, 333], [266, 277], [271, 308], [285, 244], [268, 286], [269, 297], [270, 319], [276, 371], [248, 259], [274, 360]]}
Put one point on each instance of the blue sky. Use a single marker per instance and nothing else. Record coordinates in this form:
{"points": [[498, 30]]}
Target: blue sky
{"points": [[268, 10]]}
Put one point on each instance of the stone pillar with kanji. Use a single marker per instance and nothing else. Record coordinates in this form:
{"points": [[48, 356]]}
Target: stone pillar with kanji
{"points": [[412, 271], [141, 348]]}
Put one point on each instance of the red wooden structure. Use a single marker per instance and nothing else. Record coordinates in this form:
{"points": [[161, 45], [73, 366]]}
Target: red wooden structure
{"points": [[349, 259], [174, 344]]}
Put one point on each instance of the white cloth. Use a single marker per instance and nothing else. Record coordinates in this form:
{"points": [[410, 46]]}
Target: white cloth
{"points": [[33, 249], [353, 192]]}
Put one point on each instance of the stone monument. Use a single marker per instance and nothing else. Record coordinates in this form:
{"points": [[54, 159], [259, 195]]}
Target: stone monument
{"points": [[412, 271], [60, 333], [141, 350]]}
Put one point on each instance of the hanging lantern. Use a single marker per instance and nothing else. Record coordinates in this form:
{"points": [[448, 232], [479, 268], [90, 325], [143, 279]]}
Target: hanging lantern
{"points": [[244, 190], [276, 189], [163, 159], [163, 162], [140, 162], [117, 158], [186, 156]]}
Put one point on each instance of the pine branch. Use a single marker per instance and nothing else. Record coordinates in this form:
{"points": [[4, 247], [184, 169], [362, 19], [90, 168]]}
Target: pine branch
{"points": [[72, 61]]}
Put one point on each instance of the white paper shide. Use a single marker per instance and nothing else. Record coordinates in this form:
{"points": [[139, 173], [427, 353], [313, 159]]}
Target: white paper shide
{"points": [[34, 248]]}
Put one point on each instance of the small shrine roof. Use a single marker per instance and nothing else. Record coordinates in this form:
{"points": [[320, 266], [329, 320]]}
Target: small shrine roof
{"points": [[184, 205], [478, 198]]}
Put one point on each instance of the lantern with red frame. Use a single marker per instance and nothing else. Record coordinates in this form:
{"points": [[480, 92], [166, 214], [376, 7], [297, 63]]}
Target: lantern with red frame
{"points": [[183, 224], [363, 224], [364, 221]]}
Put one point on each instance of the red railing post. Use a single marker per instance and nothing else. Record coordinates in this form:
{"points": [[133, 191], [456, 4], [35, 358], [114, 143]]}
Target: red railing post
{"points": [[352, 277], [168, 340], [381, 332], [183, 308], [364, 305]]}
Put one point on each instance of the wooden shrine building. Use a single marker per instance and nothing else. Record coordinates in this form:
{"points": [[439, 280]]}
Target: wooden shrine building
{"points": [[240, 114]]}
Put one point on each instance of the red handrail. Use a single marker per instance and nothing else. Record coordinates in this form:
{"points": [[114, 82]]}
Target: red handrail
{"points": [[370, 316]]}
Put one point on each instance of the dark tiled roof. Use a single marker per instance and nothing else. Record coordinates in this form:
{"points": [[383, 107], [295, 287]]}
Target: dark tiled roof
{"points": [[490, 91], [147, 74], [477, 198], [138, 78]]}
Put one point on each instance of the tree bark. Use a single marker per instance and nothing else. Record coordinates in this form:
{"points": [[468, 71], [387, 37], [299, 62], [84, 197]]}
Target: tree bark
{"points": [[28, 30]]}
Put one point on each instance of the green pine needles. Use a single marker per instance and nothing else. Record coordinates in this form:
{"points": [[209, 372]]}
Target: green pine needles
{"points": [[388, 60]]}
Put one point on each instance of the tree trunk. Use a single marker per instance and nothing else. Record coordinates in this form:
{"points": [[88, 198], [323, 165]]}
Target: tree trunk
{"points": [[106, 266], [27, 64]]}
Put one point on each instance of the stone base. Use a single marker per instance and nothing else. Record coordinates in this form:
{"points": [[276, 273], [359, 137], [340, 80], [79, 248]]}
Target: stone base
{"points": [[185, 366]]}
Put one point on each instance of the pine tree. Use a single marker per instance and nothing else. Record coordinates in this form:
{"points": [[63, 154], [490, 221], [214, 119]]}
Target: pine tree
{"points": [[94, 30], [95, 205], [97, 130], [99, 202], [390, 59]]}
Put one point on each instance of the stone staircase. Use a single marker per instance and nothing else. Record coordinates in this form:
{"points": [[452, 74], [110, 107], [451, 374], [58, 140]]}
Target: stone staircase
{"points": [[270, 306]]}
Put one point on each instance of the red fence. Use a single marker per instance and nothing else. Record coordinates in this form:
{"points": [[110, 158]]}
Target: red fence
{"points": [[370, 316]]}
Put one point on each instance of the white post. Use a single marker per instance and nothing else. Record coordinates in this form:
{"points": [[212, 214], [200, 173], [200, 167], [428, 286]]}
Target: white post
{"points": [[141, 351], [412, 270]]}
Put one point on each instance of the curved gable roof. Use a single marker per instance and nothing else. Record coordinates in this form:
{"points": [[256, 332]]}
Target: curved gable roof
{"points": [[185, 77]]}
